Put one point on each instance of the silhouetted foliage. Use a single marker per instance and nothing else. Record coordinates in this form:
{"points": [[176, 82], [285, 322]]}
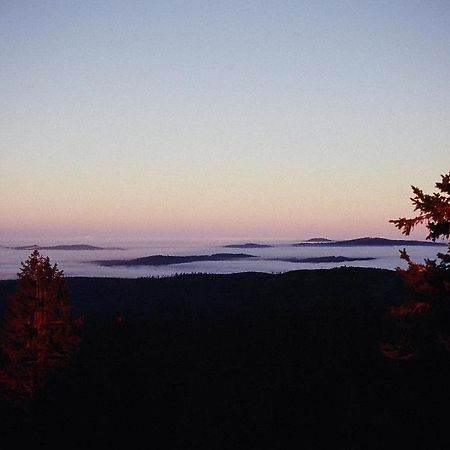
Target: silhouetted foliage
{"points": [[425, 319], [38, 335]]}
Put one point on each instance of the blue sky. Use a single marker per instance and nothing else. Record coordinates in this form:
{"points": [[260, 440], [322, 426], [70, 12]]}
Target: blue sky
{"points": [[271, 119]]}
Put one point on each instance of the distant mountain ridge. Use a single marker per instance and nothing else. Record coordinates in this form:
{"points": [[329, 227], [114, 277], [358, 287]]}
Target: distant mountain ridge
{"points": [[64, 247], [325, 259], [165, 260], [319, 240], [371, 242], [248, 245]]}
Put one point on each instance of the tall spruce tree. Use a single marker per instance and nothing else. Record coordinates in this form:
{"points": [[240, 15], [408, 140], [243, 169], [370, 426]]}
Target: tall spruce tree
{"points": [[39, 334], [424, 321]]}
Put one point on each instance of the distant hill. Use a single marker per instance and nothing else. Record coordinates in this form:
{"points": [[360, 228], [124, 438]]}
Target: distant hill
{"points": [[319, 240], [165, 260], [372, 242], [248, 245], [64, 247], [325, 259]]}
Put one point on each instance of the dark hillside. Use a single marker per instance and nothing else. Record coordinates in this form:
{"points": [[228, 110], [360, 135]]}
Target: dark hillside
{"points": [[237, 361]]}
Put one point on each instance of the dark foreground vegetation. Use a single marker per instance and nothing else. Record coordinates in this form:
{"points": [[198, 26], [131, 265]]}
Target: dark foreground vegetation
{"points": [[237, 361]]}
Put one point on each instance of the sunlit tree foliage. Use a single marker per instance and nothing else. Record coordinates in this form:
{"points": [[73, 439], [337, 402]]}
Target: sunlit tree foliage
{"points": [[39, 334], [424, 321]]}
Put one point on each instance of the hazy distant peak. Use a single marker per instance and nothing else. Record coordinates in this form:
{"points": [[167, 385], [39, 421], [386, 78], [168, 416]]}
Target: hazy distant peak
{"points": [[318, 239], [64, 247], [247, 245], [165, 260], [326, 259], [371, 242]]}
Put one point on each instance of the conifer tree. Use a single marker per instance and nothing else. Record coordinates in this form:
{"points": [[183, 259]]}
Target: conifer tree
{"points": [[38, 335], [424, 321]]}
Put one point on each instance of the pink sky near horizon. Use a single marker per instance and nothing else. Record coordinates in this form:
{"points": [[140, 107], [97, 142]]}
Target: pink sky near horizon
{"points": [[275, 119]]}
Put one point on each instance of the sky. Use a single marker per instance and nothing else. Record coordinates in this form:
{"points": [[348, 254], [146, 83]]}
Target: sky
{"points": [[283, 119]]}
